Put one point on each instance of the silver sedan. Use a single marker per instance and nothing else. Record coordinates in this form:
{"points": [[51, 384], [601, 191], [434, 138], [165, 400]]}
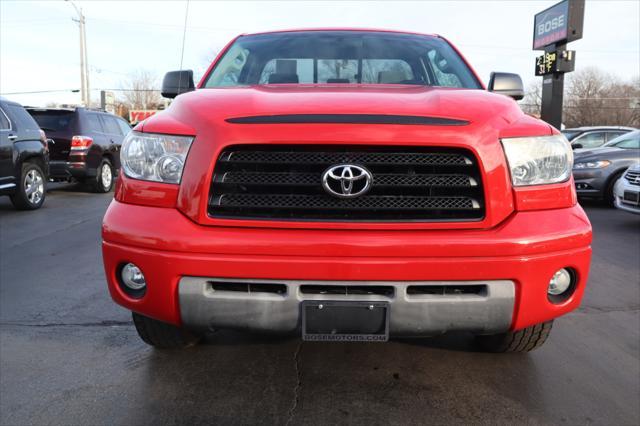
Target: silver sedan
{"points": [[627, 190]]}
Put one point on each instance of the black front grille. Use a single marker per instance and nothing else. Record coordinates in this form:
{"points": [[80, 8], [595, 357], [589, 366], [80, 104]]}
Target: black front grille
{"points": [[346, 290], [284, 182], [247, 287], [446, 290]]}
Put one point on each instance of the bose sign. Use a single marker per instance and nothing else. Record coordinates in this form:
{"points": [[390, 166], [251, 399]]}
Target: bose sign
{"points": [[559, 23]]}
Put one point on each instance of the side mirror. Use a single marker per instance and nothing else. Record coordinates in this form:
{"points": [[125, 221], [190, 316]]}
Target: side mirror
{"points": [[576, 146], [177, 82], [506, 84]]}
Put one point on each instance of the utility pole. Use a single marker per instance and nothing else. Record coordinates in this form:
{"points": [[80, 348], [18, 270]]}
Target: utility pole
{"points": [[84, 62]]}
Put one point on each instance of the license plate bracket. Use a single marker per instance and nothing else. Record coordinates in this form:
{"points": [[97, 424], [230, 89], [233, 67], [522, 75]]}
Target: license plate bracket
{"points": [[340, 321]]}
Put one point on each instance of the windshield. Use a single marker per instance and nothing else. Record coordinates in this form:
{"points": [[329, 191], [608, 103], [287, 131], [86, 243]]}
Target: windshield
{"points": [[627, 141], [335, 57]]}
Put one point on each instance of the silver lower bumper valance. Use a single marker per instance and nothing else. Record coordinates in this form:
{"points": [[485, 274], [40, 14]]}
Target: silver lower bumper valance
{"points": [[416, 308]]}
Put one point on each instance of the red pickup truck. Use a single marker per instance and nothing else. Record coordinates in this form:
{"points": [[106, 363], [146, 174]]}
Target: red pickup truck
{"points": [[345, 185]]}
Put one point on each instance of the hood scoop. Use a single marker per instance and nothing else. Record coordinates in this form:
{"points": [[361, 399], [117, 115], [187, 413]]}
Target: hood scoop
{"points": [[347, 119]]}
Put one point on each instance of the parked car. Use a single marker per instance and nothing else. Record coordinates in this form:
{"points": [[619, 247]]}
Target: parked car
{"points": [[594, 136], [24, 157], [85, 144], [596, 171], [627, 190], [345, 185]]}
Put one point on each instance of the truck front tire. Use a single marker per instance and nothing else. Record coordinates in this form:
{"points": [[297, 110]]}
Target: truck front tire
{"points": [[524, 340], [162, 335]]}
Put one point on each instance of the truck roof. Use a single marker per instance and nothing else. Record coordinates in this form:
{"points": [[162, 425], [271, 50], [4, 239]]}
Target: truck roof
{"points": [[368, 30]]}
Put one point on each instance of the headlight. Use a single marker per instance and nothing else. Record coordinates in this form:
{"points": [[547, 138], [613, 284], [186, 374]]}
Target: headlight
{"points": [[158, 158], [538, 160], [592, 165]]}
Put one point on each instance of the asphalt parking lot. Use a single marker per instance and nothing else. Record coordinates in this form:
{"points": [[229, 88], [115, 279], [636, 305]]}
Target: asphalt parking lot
{"points": [[68, 355]]}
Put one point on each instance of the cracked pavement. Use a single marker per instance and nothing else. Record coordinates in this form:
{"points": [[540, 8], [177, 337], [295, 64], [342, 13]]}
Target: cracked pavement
{"points": [[68, 355]]}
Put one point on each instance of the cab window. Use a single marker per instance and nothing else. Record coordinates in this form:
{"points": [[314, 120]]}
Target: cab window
{"points": [[302, 67], [394, 71], [337, 71]]}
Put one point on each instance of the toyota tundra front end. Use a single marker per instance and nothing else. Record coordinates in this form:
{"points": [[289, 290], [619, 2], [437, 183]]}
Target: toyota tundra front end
{"points": [[345, 185]]}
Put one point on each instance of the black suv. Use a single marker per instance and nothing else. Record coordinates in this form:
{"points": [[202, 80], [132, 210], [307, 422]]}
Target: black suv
{"points": [[85, 144], [24, 157]]}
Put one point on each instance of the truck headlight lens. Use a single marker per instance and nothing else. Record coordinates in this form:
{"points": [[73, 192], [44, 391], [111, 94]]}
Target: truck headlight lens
{"points": [[538, 160], [591, 165], [154, 157]]}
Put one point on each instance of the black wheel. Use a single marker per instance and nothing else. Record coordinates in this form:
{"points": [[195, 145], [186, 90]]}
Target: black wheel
{"points": [[609, 196], [524, 340], [162, 335], [31, 188], [103, 181]]}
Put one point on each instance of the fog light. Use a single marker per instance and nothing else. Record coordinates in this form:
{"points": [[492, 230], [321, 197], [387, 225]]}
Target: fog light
{"points": [[132, 277], [560, 282]]}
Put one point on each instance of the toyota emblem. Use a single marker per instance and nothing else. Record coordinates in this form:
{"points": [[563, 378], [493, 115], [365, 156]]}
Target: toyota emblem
{"points": [[347, 180]]}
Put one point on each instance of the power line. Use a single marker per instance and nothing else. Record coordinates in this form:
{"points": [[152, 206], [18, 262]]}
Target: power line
{"points": [[170, 26], [32, 21], [606, 98], [586, 107], [494, 47], [78, 90], [609, 99], [42, 91], [158, 90], [129, 90]]}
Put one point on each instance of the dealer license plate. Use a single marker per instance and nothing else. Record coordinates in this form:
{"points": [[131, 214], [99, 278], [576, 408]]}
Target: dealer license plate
{"points": [[340, 321]]}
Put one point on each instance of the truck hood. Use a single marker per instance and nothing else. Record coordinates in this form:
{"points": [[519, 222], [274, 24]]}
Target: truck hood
{"points": [[210, 105]]}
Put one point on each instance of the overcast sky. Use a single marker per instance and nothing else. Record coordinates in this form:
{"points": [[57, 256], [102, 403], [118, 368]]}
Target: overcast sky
{"points": [[39, 43]]}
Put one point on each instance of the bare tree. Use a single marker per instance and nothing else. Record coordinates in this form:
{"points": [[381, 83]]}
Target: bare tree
{"points": [[594, 97], [532, 102], [141, 91]]}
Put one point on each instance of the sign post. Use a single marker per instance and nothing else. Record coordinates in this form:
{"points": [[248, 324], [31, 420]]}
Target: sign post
{"points": [[107, 101], [553, 28]]}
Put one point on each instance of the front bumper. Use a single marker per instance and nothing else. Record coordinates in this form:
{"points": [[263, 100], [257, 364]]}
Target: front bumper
{"points": [[590, 182], [514, 260], [620, 202]]}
